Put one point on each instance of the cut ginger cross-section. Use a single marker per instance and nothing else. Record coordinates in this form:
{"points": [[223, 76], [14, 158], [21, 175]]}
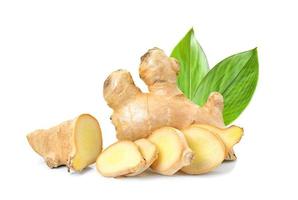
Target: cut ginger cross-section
{"points": [[208, 148], [120, 159], [75, 143], [173, 149]]}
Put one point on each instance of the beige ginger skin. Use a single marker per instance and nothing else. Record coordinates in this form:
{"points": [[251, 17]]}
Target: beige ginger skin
{"points": [[137, 114], [75, 143]]}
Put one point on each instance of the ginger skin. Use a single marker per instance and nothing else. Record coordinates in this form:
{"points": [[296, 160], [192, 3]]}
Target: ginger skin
{"points": [[75, 143], [137, 114]]}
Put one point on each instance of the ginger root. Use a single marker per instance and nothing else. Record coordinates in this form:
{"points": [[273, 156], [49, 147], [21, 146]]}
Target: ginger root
{"points": [[119, 159], [173, 149], [137, 114], [230, 136], [209, 150], [149, 152], [75, 143]]}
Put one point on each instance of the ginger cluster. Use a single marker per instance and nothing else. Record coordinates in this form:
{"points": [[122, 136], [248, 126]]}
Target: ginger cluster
{"points": [[160, 130]]}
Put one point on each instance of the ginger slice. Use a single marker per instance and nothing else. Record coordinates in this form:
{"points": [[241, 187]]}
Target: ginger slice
{"points": [[119, 159], [74, 143], [149, 152], [208, 148], [230, 136], [173, 149]]}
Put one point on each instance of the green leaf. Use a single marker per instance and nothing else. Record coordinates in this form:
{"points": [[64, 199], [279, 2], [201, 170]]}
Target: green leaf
{"points": [[193, 64], [235, 78]]}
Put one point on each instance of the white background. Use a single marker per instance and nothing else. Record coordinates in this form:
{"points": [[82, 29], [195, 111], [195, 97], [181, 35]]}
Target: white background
{"points": [[55, 55]]}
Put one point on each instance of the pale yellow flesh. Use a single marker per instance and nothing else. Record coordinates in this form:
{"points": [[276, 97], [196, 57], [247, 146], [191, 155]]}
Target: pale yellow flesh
{"points": [[88, 142], [230, 136], [149, 152], [119, 159], [209, 150], [172, 148]]}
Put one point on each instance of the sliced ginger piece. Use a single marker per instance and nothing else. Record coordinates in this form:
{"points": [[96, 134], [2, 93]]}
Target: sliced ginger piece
{"points": [[88, 141], [173, 149], [208, 148], [74, 143], [149, 152], [230, 136], [119, 159]]}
